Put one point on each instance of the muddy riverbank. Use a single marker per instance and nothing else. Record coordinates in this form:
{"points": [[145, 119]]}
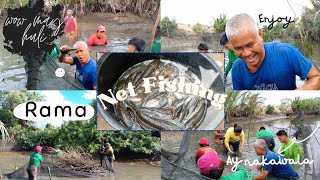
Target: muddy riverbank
{"points": [[11, 161]]}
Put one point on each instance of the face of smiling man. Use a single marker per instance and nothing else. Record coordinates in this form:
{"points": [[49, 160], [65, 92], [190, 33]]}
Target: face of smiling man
{"points": [[248, 45]]}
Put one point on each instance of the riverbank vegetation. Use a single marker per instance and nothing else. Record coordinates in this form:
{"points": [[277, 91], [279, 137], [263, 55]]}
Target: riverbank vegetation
{"points": [[84, 7], [77, 135], [251, 104]]}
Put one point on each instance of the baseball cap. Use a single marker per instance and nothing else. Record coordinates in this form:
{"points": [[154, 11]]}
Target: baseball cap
{"points": [[203, 141], [101, 28]]}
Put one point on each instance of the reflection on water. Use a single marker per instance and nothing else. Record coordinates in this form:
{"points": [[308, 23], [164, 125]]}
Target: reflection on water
{"points": [[8, 164], [170, 141], [14, 77]]}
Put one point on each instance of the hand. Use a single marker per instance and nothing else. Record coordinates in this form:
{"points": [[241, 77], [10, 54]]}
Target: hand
{"points": [[231, 152], [241, 149], [259, 167], [63, 49]]}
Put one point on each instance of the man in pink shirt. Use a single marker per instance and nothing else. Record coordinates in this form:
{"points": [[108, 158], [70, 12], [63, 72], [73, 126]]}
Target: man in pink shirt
{"points": [[99, 38]]}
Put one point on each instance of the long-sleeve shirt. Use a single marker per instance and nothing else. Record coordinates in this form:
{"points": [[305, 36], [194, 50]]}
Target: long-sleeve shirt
{"points": [[293, 152]]}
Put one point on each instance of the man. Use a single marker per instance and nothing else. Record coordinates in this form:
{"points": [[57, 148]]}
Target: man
{"points": [[266, 66], [282, 171], [107, 154], [234, 137], [136, 45], [288, 148], [204, 148], [99, 38], [34, 163], [267, 136], [203, 47], [86, 67], [231, 56]]}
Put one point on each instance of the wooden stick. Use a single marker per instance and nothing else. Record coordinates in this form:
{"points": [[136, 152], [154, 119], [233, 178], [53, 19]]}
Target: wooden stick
{"points": [[155, 28]]}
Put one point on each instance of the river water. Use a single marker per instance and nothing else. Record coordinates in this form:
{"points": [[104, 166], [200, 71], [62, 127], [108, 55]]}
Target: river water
{"points": [[9, 163], [170, 141], [14, 77]]}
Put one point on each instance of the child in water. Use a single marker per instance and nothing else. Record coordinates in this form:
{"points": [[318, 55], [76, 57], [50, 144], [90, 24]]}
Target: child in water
{"points": [[71, 28]]}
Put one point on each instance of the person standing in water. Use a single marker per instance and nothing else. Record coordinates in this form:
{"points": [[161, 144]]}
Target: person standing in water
{"points": [[107, 155], [34, 163], [71, 28]]}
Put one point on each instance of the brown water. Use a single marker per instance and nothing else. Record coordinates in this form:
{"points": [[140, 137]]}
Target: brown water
{"points": [[12, 72], [10, 162], [170, 141]]}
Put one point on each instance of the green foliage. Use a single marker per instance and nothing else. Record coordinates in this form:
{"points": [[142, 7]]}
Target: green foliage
{"points": [[269, 109], [83, 135], [242, 103], [198, 28], [9, 100], [168, 26], [305, 105], [7, 118], [219, 24], [142, 142]]}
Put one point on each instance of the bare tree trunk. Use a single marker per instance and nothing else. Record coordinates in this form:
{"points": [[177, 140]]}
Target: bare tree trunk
{"points": [[82, 6]]}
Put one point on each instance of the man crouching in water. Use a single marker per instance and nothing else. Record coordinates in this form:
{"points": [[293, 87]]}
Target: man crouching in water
{"points": [[107, 155], [86, 67]]}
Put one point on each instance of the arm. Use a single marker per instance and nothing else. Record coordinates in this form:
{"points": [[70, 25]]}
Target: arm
{"points": [[241, 141], [263, 175], [297, 153], [226, 142], [313, 80], [75, 26]]}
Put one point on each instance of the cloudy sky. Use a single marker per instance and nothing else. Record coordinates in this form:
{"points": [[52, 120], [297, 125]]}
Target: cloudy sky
{"points": [[65, 97], [274, 97], [203, 11]]}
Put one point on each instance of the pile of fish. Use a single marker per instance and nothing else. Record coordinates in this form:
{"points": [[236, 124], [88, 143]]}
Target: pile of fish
{"points": [[159, 110]]}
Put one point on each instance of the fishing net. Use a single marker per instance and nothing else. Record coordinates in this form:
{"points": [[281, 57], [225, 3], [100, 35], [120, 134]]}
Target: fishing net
{"points": [[180, 163], [72, 164], [41, 74]]}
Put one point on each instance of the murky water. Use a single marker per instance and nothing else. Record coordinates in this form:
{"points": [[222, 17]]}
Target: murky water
{"points": [[170, 141], [14, 77], [133, 171]]}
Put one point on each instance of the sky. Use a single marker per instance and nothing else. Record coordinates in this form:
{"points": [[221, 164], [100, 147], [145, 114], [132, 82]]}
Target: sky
{"points": [[203, 11], [65, 97], [275, 97]]}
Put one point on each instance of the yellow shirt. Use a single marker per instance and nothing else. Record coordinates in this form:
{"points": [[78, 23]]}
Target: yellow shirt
{"points": [[230, 136]]}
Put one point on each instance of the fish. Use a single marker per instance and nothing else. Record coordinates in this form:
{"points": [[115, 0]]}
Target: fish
{"points": [[159, 110]]}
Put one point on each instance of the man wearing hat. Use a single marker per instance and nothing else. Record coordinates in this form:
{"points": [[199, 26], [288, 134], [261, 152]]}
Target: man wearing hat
{"points": [[34, 163], [99, 38], [204, 148]]}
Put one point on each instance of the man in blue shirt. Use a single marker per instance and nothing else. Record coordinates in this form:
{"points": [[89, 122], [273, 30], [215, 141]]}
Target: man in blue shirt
{"points": [[86, 67], [271, 163], [266, 66]]}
